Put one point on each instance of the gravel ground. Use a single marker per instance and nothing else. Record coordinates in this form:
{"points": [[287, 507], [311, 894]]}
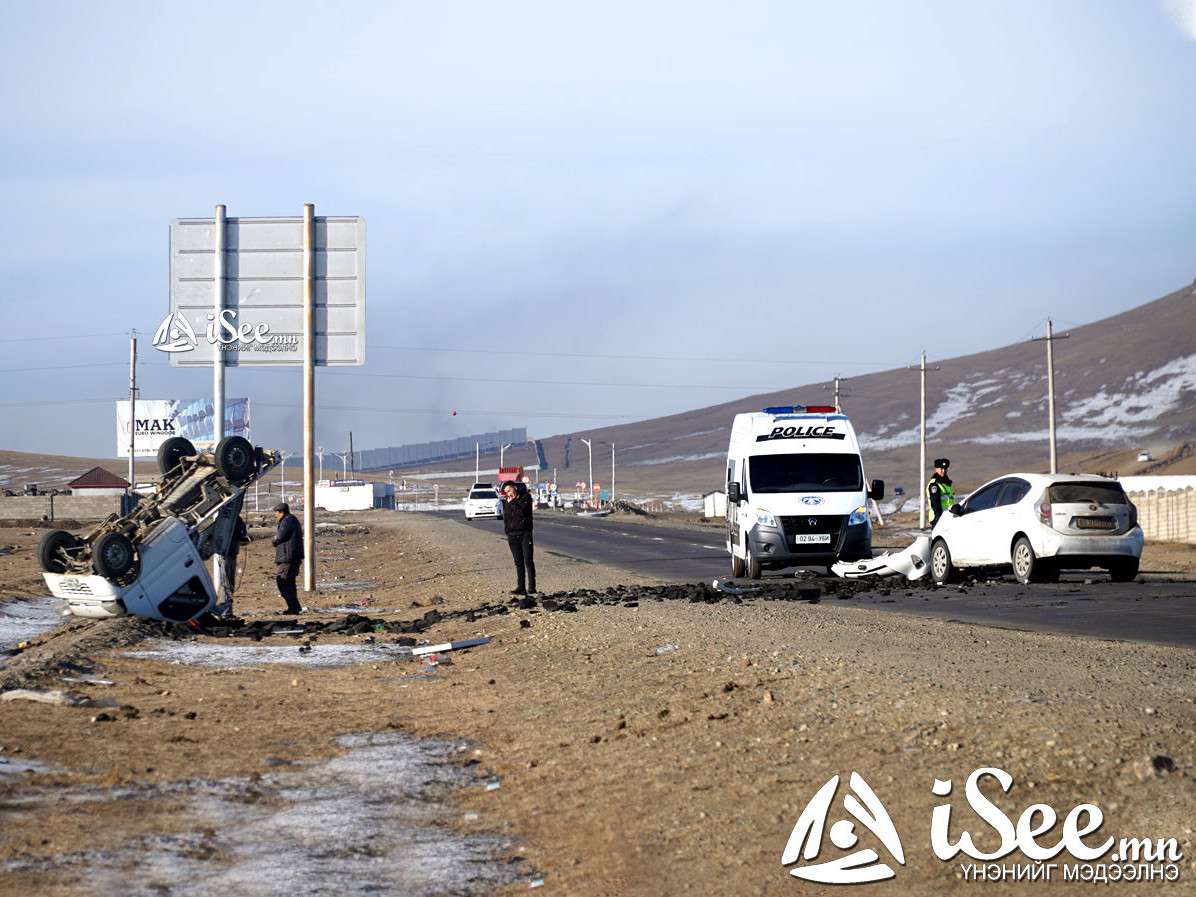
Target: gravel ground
{"points": [[623, 768]]}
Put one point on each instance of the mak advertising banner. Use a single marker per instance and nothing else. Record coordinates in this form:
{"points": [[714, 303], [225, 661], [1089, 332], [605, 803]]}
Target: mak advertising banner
{"points": [[160, 419]]}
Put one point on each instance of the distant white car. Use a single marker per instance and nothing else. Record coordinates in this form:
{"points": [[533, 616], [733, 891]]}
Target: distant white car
{"points": [[483, 501], [1039, 524]]}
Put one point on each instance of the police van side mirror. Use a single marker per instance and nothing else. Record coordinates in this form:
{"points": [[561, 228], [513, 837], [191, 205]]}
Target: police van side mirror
{"points": [[733, 493], [877, 492]]}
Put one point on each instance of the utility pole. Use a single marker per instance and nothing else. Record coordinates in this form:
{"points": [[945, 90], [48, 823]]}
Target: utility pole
{"points": [[1050, 339], [477, 461], [838, 393], [590, 448], [922, 454], [352, 457], [132, 408], [502, 451], [612, 473]]}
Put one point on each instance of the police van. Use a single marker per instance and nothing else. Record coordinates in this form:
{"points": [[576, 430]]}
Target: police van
{"points": [[796, 493]]}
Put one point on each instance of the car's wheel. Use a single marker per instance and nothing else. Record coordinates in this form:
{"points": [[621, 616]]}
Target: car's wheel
{"points": [[172, 451], [52, 550], [235, 459], [737, 565], [1027, 568], [753, 565], [1124, 570], [112, 555], [940, 562]]}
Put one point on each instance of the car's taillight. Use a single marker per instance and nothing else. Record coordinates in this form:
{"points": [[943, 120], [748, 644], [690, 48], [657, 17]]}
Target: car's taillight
{"points": [[1044, 513], [1133, 513]]}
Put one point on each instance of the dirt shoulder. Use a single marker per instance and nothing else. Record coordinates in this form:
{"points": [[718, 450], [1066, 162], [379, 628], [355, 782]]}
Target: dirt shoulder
{"points": [[623, 770]]}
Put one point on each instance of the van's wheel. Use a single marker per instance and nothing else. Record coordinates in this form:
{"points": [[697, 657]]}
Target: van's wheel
{"points": [[235, 459], [112, 555], [1124, 570], [172, 451], [737, 565], [753, 565], [940, 562], [1027, 568], [53, 551]]}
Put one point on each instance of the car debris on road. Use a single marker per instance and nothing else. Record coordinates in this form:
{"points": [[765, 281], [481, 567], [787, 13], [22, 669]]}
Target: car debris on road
{"points": [[912, 563]]}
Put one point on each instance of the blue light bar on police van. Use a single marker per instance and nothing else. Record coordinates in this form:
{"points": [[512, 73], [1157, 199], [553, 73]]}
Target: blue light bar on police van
{"points": [[800, 409]]}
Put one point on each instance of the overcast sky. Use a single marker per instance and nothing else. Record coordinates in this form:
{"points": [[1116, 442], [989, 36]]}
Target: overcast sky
{"points": [[585, 214]]}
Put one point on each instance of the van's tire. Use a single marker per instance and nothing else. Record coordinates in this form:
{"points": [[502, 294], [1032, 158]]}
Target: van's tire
{"points": [[1027, 568], [172, 451], [1124, 570], [52, 547], [941, 568], [112, 555], [753, 565], [738, 567], [235, 459]]}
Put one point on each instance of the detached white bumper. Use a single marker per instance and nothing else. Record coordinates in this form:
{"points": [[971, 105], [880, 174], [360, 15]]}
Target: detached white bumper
{"points": [[87, 596]]}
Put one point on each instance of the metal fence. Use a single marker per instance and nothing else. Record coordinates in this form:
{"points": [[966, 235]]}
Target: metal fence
{"points": [[1167, 515]]}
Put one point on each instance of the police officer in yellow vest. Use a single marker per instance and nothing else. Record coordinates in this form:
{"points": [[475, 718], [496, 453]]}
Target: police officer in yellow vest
{"points": [[939, 493]]}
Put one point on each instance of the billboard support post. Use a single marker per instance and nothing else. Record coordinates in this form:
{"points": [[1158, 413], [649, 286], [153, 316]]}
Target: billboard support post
{"points": [[218, 277], [309, 395]]}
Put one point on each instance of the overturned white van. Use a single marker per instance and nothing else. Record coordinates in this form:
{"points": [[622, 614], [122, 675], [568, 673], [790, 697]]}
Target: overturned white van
{"points": [[796, 493]]}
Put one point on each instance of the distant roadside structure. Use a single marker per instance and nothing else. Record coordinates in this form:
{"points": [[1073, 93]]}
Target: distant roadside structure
{"points": [[714, 505], [99, 481]]}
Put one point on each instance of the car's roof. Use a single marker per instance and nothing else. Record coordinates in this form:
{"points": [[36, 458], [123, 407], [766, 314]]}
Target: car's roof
{"points": [[1047, 479]]}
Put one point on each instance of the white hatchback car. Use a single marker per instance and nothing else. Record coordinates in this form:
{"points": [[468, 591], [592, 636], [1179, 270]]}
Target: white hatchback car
{"points": [[483, 501], [1039, 524]]}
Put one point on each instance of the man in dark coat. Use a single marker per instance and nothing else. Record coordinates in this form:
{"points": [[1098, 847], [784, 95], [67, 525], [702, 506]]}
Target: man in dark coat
{"points": [[517, 522], [288, 555]]}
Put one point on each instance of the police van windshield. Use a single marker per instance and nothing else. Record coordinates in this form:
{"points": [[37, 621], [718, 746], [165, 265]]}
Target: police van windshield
{"points": [[805, 473]]}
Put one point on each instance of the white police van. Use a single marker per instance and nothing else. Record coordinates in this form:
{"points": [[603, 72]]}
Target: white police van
{"points": [[796, 494]]}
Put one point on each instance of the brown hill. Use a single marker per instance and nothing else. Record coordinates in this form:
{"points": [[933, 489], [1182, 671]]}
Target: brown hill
{"points": [[1123, 384]]}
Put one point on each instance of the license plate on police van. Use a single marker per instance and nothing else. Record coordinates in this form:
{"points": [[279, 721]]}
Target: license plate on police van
{"points": [[812, 538]]}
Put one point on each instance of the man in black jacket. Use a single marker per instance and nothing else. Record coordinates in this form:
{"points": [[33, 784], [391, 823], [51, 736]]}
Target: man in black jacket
{"points": [[517, 522], [288, 555]]}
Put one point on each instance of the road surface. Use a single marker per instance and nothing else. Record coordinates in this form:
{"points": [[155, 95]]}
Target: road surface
{"points": [[1161, 609]]}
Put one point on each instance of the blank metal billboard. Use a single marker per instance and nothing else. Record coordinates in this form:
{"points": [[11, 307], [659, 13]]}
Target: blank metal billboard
{"points": [[262, 322]]}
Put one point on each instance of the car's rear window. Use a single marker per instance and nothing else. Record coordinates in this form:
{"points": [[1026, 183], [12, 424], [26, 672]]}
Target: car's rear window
{"points": [[1097, 493], [483, 493]]}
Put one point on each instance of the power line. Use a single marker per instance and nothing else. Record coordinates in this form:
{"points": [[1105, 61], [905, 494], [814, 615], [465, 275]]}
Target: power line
{"points": [[342, 373], [585, 355], [30, 339]]}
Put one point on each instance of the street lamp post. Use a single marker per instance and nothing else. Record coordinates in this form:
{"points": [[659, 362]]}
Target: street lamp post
{"points": [[502, 451], [320, 454], [590, 449], [344, 456]]}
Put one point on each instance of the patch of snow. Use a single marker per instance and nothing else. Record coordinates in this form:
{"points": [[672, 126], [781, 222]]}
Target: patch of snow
{"points": [[1159, 394]]}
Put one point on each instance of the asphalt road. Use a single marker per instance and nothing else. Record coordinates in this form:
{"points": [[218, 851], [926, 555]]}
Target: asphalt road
{"points": [[1161, 609]]}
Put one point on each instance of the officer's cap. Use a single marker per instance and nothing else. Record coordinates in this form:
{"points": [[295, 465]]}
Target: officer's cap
{"points": [[942, 462]]}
